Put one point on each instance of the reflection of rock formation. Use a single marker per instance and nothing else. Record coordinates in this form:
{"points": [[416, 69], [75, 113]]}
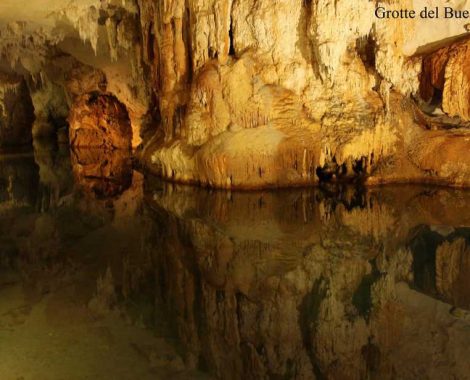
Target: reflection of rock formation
{"points": [[104, 173], [18, 181], [312, 283], [452, 272], [30, 187], [55, 173], [297, 285], [16, 111], [42, 212], [100, 121], [441, 263]]}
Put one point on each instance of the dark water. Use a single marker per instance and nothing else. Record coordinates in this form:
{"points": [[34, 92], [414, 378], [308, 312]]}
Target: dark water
{"points": [[108, 274]]}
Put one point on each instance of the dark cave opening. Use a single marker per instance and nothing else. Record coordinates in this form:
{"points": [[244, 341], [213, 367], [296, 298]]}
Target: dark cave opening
{"points": [[151, 43], [436, 100], [432, 81], [366, 48], [152, 120], [17, 114], [231, 51], [58, 122], [352, 170]]}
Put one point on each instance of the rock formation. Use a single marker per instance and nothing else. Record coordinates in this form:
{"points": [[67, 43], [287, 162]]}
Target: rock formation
{"points": [[249, 94], [99, 121], [274, 94]]}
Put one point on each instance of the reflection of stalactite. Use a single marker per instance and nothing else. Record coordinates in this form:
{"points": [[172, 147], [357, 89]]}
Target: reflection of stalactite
{"points": [[105, 297], [55, 173]]}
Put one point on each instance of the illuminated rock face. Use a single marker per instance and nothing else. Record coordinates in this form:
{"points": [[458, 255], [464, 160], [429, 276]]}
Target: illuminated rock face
{"points": [[16, 111], [100, 121], [456, 96], [258, 93], [446, 74]]}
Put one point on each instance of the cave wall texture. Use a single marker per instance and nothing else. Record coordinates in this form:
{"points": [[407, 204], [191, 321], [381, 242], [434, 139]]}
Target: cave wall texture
{"points": [[254, 93]]}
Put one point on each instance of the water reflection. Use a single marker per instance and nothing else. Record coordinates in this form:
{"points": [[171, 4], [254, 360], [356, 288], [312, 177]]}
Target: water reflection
{"points": [[18, 181], [55, 174], [105, 173], [107, 274], [76, 298], [441, 264], [300, 284]]}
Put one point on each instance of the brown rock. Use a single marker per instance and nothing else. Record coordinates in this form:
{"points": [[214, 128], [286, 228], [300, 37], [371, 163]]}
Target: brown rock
{"points": [[99, 121], [456, 99], [433, 73]]}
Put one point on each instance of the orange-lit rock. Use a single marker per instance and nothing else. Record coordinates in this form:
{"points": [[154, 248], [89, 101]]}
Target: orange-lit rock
{"points": [[255, 93], [99, 121], [456, 98], [433, 74], [295, 93]]}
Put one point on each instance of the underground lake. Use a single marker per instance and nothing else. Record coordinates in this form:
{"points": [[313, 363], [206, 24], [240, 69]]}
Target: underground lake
{"points": [[107, 272]]}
